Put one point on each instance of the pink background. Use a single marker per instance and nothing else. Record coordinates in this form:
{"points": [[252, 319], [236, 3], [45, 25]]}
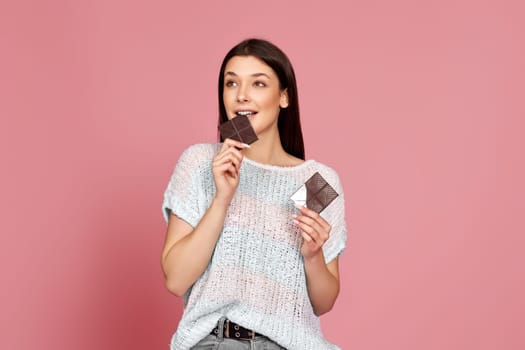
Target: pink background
{"points": [[419, 105]]}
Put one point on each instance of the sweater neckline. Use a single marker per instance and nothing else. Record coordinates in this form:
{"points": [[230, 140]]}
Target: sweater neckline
{"points": [[278, 167]]}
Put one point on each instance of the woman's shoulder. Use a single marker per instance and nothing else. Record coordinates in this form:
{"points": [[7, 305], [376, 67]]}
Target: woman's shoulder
{"points": [[197, 154], [327, 172], [201, 150], [324, 167]]}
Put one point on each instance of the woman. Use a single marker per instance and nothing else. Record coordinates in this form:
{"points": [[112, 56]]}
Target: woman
{"points": [[255, 271]]}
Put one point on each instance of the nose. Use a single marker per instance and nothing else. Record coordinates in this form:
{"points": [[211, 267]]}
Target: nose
{"points": [[242, 94]]}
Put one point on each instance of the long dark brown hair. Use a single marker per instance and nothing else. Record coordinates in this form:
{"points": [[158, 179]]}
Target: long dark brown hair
{"points": [[289, 123]]}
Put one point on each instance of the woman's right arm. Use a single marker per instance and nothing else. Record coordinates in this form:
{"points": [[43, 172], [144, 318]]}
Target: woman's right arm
{"points": [[187, 250]]}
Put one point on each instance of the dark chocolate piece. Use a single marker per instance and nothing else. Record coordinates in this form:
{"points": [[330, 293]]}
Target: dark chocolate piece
{"points": [[238, 128], [319, 194]]}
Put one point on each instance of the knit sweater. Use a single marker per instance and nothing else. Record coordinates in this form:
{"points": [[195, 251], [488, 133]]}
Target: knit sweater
{"points": [[256, 275]]}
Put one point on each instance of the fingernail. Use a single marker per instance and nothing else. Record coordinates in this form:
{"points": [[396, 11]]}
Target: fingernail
{"points": [[299, 206], [295, 222], [246, 145], [294, 216]]}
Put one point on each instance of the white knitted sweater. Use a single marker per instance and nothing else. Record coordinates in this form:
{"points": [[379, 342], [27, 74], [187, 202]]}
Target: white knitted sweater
{"points": [[256, 275]]}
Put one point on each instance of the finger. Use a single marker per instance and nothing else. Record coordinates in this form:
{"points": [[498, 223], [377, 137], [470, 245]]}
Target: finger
{"points": [[224, 163], [229, 153], [227, 159], [312, 233], [231, 144], [319, 229], [306, 237], [316, 231], [314, 216], [226, 168], [305, 219], [232, 170], [235, 143], [306, 211]]}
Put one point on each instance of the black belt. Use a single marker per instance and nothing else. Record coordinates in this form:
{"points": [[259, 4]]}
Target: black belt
{"points": [[235, 331]]}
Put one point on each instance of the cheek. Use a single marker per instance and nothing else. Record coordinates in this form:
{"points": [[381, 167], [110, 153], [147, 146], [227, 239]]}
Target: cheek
{"points": [[270, 101], [227, 98]]}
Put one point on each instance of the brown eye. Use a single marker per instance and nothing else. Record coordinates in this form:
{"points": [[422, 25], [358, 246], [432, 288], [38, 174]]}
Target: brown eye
{"points": [[229, 83], [260, 84]]}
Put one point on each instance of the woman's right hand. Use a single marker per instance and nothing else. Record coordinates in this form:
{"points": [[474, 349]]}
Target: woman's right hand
{"points": [[225, 168]]}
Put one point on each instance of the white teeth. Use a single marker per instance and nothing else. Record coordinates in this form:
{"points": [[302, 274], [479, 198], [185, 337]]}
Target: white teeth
{"points": [[244, 113]]}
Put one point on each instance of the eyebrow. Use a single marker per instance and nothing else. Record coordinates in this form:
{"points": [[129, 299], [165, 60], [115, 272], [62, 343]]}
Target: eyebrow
{"points": [[255, 75]]}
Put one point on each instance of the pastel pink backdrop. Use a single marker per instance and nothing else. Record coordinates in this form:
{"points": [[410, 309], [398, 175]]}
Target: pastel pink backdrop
{"points": [[417, 104]]}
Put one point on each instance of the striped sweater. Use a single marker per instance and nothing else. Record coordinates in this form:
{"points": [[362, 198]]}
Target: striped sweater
{"points": [[256, 275]]}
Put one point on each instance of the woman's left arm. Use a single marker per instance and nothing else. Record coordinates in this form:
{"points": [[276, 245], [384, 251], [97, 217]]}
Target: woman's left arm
{"points": [[322, 280]]}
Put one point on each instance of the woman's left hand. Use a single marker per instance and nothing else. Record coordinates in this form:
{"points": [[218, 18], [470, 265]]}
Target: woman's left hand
{"points": [[314, 229]]}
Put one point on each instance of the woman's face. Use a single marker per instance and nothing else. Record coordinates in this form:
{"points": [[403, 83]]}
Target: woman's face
{"points": [[251, 87]]}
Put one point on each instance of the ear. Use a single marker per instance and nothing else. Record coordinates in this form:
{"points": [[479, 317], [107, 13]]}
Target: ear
{"points": [[283, 103]]}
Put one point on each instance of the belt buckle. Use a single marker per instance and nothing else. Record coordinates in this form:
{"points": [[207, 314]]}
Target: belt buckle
{"points": [[236, 333]]}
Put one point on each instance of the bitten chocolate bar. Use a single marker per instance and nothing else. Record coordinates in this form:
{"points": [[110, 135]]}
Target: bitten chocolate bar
{"points": [[238, 128], [315, 194]]}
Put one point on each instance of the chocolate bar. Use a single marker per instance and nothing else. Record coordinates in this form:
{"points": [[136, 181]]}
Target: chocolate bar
{"points": [[319, 194], [238, 128]]}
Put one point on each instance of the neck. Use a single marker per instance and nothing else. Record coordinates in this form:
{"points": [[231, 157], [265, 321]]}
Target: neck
{"points": [[267, 150]]}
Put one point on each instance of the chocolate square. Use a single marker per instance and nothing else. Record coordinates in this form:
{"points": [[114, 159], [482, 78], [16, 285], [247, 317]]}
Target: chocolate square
{"points": [[238, 128], [319, 194]]}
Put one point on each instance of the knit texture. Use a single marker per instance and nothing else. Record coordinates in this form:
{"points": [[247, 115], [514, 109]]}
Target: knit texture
{"points": [[256, 275]]}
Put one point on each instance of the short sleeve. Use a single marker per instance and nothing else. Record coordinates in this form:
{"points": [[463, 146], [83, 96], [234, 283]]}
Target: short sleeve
{"points": [[335, 215], [185, 195]]}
